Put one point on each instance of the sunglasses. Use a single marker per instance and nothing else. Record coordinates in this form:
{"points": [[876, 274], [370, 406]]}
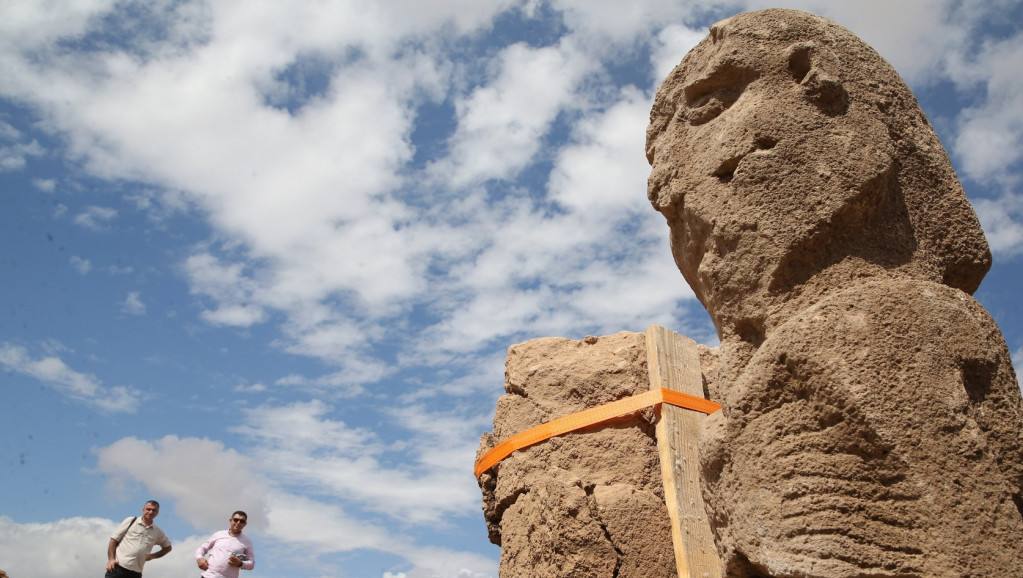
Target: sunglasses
{"points": [[238, 520]]}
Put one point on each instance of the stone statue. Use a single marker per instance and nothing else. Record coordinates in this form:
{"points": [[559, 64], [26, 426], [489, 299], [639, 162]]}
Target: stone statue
{"points": [[589, 504], [872, 421]]}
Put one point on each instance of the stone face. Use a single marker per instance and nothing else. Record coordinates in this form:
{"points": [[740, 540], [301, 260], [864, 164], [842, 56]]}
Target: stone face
{"points": [[589, 503], [790, 159], [872, 423]]}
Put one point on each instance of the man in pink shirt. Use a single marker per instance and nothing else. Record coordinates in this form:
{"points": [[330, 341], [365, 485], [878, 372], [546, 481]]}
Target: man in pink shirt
{"points": [[227, 551]]}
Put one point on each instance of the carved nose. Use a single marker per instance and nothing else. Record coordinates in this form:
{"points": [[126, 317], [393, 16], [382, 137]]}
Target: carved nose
{"points": [[726, 170]]}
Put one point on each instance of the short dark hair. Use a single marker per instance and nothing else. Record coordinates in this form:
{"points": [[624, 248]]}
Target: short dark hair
{"points": [[236, 512], [153, 502]]}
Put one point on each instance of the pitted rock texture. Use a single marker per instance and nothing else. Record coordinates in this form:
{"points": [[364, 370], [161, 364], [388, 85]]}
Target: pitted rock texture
{"points": [[872, 423], [589, 503]]}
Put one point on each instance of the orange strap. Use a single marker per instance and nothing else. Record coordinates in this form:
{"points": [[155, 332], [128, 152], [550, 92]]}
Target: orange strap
{"points": [[588, 417]]}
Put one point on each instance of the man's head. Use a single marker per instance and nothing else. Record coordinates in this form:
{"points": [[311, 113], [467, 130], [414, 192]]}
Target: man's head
{"points": [[783, 145], [238, 521], [149, 511]]}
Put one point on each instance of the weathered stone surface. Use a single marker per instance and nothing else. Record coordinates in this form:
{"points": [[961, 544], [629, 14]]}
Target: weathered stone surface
{"points": [[872, 421], [589, 503]]}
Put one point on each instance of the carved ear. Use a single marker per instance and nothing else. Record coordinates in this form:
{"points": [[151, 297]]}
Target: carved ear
{"points": [[816, 71]]}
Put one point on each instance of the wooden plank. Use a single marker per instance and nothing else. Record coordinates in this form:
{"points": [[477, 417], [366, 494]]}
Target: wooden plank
{"points": [[675, 364]]}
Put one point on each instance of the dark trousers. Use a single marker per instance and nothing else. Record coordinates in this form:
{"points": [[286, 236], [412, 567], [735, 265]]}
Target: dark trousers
{"points": [[120, 572]]}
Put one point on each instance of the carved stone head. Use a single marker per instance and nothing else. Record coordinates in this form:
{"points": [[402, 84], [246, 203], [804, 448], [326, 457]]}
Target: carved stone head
{"points": [[785, 150]]}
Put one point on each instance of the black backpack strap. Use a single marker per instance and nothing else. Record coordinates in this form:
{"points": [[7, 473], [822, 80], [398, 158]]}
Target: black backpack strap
{"points": [[126, 529]]}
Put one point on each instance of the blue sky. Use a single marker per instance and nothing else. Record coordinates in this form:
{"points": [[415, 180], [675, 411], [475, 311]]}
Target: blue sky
{"points": [[271, 255]]}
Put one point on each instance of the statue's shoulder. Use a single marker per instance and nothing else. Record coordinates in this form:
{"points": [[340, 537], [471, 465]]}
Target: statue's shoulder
{"points": [[899, 320]]}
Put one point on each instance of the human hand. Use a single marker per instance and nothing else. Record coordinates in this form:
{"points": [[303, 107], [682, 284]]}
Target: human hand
{"points": [[110, 565], [203, 564], [234, 561]]}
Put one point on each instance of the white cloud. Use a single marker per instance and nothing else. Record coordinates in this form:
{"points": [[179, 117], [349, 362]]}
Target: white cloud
{"points": [[95, 218], [309, 205], [133, 304], [1002, 219], [60, 549], [8, 132], [305, 448], [77, 546], [672, 43], [234, 315], [622, 23], [228, 286], [346, 383], [34, 24], [604, 171], [254, 388], [988, 134], [205, 481], [120, 270], [15, 148], [176, 467], [292, 516], [557, 273], [81, 387], [501, 123], [45, 185], [80, 264], [442, 562], [14, 157]]}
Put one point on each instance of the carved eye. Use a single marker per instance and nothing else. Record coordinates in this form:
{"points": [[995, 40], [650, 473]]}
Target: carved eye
{"points": [[713, 94], [799, 61], [808, 67]]}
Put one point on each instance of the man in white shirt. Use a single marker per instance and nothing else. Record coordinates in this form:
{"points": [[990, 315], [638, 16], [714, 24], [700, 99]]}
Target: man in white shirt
{"points": [[131, 544]]}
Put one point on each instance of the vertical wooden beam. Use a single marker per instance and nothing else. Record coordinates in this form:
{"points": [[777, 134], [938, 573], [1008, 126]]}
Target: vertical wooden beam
{"points": [[675, 364]]}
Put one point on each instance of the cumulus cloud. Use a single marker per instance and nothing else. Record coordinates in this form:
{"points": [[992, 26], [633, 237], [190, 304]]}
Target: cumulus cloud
{"points": [[77, 386], [227, 286], [500, 124], [347, 383], [60, 549], [988, 134], [133, 304], [175, 467], [72, 547], [298, 447], [670, 45], [95, 218], [45, 185], [323, 228], [304, 447], [14, 149], [80, 264], [1002, 219]]}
